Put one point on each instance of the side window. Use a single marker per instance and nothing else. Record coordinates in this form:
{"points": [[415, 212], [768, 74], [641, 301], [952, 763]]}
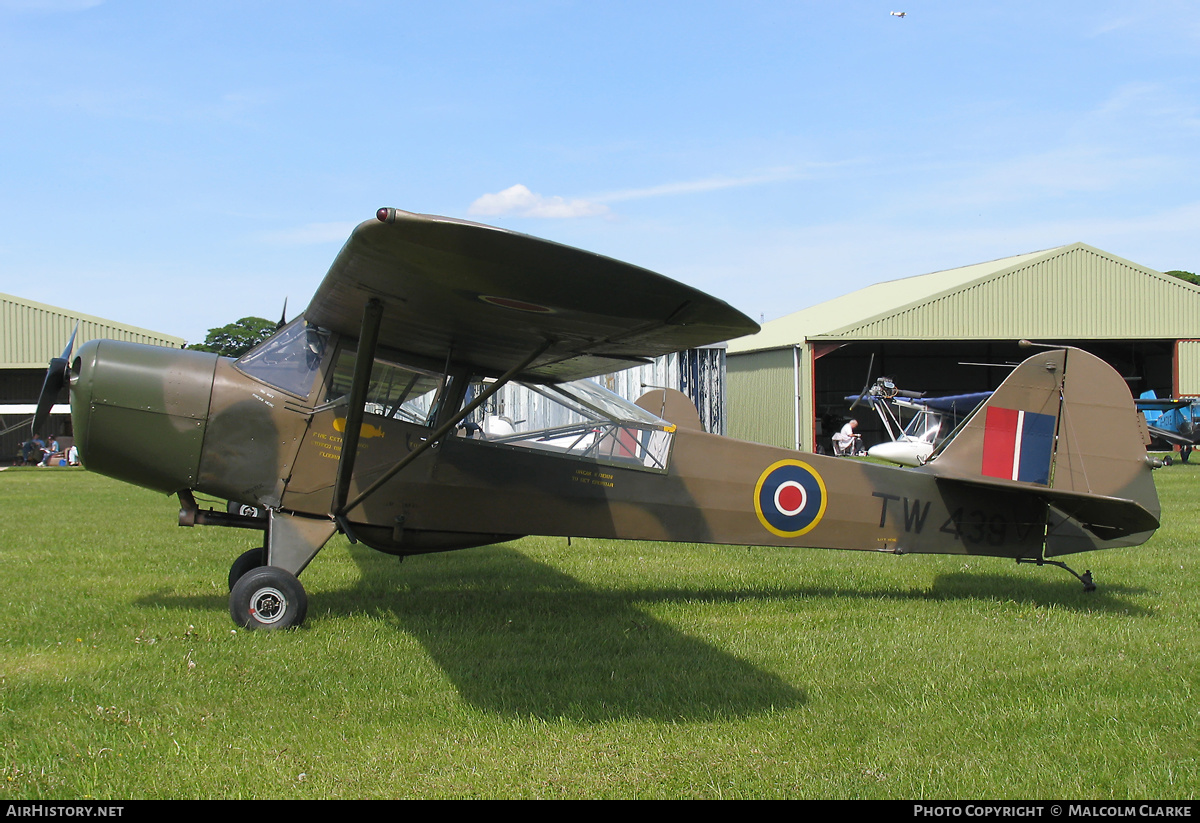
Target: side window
{"points": [[578, 419], [396, 391]]}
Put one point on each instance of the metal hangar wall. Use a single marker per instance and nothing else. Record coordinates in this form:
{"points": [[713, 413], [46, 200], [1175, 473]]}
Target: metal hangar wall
{"points": [[958, 331], [31, 334]]}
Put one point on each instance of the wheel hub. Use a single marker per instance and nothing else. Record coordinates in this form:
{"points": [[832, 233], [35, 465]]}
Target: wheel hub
{"points": [[268, 605]]}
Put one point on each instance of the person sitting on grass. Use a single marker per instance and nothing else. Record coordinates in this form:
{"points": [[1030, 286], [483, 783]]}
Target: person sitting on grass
{"points": [[52, 453]]}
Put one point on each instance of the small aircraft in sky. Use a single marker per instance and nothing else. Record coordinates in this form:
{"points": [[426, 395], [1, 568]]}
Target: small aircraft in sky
{"points": [[354, 419]]}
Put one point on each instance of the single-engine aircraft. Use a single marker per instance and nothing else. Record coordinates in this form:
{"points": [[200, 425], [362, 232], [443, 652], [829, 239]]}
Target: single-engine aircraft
{"points": [[1172, 420], [931, 420], [349, 419]]}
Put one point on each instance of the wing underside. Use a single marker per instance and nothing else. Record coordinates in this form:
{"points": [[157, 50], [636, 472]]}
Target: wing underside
{"points": [[488, 297]]}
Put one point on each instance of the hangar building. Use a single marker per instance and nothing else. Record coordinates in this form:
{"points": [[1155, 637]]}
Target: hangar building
{"points": [[31, 334], [958, 331]]}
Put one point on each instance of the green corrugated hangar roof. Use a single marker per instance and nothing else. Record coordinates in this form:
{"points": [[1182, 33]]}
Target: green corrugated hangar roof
{"points": [[32, 333], [797, 369], [1067, 292]]}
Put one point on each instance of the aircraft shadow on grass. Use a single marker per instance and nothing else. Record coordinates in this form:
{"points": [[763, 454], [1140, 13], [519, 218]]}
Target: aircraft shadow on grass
{"points": [[521, 638], [947, 587]]}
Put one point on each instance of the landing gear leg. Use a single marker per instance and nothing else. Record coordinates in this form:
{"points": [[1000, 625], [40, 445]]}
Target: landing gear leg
{"points": [[1085, 578], [263, 590]]}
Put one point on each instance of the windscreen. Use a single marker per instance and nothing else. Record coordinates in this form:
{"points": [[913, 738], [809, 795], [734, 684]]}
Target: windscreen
{"points": [[289, 360]]}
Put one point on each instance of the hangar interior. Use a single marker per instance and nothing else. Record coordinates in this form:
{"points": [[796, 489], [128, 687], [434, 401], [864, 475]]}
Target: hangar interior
{"points": [[957, 367], [31, 334], [958, 331]]}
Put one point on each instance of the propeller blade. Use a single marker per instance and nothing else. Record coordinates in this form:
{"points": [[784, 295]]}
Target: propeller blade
{"points": [[283, 317], [52, 386], [867, 385]]}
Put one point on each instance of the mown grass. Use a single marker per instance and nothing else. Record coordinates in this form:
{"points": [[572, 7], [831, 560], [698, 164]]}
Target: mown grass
{"points": [[600, 669]]}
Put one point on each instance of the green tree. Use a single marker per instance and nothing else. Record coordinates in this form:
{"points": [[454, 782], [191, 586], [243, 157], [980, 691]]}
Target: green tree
{"points": [[1186, 275], [237, 338]]}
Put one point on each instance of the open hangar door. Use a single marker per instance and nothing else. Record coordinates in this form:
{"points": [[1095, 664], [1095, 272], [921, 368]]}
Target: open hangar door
{"points": [[945, 367]]}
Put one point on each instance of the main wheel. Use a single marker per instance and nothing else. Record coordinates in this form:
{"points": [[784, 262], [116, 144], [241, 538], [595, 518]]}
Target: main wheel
{"points": [[252, 559], [268, 598]]}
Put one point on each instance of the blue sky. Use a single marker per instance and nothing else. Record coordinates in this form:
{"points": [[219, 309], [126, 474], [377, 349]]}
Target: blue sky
{"points": [[177, 166]]}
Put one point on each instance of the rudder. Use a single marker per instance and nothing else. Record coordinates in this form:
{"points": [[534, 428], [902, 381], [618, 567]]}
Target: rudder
{"points": [[1064, 421]]}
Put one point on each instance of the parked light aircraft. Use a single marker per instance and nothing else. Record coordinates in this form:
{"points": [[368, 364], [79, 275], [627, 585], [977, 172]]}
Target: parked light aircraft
{"points": [[350, 419], [1173, 420], [931, 420]]}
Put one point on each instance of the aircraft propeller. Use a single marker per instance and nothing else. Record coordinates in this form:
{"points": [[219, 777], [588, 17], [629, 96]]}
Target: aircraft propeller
{"points": [[56, 378], [867, 385]]}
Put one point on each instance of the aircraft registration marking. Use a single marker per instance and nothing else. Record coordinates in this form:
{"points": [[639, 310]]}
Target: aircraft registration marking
{"points": [[975, 526], [790, 498]]}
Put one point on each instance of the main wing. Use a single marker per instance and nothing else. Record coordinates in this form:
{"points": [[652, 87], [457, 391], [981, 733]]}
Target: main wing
{"points": [[489, 297]]}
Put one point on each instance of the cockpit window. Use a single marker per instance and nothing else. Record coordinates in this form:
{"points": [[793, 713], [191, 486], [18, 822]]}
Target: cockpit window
{"points": [[396, 391], [580, 419], [289, 360]]}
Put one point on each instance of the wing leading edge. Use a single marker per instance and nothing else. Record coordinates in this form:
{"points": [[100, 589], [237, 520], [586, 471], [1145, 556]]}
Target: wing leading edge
{"points": [[488, 297]]}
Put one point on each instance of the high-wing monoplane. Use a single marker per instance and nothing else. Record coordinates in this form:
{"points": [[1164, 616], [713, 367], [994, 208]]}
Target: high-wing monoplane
{"points": [[363, 416]]}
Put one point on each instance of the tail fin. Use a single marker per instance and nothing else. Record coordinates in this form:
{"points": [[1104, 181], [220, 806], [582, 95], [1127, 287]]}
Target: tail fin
{"points": [[1065, 426]]}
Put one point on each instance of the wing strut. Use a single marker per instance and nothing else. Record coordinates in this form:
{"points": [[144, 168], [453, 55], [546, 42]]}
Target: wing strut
{"points": [[341, 511], [363, 361]]}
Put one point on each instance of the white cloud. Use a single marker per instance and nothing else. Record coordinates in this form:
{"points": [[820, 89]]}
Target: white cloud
{"points": [[518, 200], [707, 184]]}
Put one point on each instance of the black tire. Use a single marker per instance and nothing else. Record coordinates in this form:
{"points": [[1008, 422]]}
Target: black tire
{"points": [[268, 598], [252, 559]]}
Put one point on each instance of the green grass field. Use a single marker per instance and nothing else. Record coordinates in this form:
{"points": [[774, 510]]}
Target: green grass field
{"points": [[600, 669]]}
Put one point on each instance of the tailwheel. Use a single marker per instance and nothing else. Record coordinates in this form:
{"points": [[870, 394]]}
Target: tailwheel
{"points": [[1089, 585], [253, 559], [268, 597]]}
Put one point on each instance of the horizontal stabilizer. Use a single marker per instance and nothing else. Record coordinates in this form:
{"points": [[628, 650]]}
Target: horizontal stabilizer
{"points": [[1104, 516], [1063, 428], [1065, 535]]}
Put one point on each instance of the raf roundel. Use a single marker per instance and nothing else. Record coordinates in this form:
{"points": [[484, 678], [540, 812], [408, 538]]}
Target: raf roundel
{"points": [[789, 498]]}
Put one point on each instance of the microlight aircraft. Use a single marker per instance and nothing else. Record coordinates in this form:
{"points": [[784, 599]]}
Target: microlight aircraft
{"points": [[354, 417], [931, 419]]}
